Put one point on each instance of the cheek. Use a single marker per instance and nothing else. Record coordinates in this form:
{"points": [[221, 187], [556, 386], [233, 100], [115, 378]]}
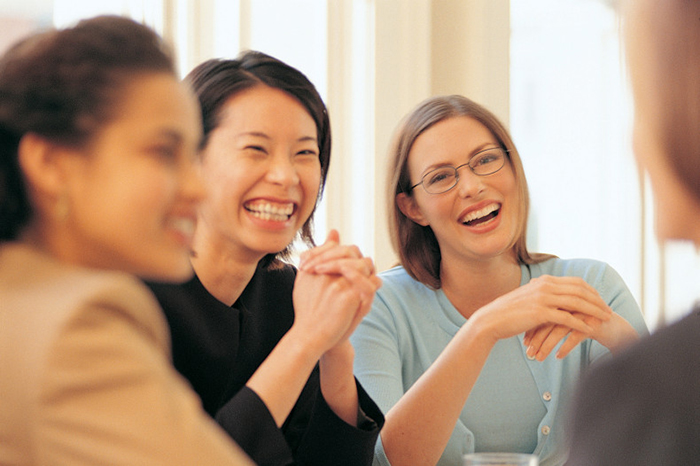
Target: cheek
{"points": [[225, 180], [675, 210], [669, 208], [153, 195], [509, 188], [310, 179]]}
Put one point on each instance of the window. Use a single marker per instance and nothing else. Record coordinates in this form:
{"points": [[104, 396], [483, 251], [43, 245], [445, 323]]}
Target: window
{"points": [[372, 60], [571, 118], [18, 19]]}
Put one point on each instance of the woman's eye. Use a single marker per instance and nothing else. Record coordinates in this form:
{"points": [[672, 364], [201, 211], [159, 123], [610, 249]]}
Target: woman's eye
{"points": [[485, 160], [166, 152], [438, 177]]}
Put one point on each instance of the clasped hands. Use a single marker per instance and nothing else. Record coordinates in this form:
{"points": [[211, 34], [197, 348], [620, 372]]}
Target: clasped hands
{"points": [[581, 301], [333, 291], [551, 309]]}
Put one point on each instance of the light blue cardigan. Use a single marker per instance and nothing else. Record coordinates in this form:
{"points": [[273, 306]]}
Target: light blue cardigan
{"points": [[517, 404]]}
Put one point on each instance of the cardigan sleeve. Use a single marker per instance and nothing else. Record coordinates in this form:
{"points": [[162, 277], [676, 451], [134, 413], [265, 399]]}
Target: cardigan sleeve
{"points": [[617, 295]]}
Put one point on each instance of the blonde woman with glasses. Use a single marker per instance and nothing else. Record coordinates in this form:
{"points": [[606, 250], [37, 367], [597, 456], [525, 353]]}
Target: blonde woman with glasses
{"points": [[473, 343]]}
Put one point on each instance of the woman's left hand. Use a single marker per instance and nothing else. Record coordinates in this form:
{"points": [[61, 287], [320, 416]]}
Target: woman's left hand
{"points": [[614, 334]]}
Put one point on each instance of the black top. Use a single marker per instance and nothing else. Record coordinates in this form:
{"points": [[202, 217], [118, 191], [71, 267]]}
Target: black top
{"points": [[643, 406], [217, 348]]}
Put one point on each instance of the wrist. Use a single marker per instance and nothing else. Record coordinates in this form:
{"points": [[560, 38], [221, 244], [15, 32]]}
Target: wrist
{"points": [[342, 353], [622, 334], [478, 331], [338, 382], [297, 343]]}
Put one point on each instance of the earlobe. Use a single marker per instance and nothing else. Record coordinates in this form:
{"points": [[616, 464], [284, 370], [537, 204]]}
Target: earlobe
{"points": [[407, 205]]}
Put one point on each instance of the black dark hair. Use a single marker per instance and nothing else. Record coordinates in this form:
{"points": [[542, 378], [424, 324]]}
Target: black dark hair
{"points": [[63, 85], [216, 81]]}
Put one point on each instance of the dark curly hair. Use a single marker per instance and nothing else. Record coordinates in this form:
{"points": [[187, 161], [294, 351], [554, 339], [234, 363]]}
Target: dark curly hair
{"points": [[62, 85], [216, 81]]}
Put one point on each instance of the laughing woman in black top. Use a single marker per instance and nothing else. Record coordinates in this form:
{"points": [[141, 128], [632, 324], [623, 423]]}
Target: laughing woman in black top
{"points": [[264, 345]]}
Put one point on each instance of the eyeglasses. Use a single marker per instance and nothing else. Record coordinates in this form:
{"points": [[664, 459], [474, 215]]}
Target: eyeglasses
{"points": [[442, 179]]}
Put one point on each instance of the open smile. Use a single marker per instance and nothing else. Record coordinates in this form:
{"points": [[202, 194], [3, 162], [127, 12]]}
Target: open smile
{"points": [[271, 211], [182, 227], [481, 216]]}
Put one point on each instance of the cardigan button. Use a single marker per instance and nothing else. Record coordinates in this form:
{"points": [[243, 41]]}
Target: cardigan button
{"points": [[546, 430], [547, 396]]}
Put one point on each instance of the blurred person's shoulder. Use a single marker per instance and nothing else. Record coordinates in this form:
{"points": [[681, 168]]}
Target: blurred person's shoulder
{"points": [[641, 407]]}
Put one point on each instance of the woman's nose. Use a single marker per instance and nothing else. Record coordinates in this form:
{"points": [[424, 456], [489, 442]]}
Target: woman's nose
{"points": [[282, 170], [468, 183]]}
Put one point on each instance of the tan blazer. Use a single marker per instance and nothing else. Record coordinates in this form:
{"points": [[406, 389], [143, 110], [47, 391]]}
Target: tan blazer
{"points": [[85, 375]]}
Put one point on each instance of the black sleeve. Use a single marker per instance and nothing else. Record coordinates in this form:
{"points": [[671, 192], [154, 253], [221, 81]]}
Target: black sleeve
{"points": [[329, 440], [248, 421], [325, 438]]}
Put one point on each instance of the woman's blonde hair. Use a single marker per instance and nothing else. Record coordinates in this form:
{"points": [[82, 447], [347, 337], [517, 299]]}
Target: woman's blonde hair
{"points": [[416, 245]]}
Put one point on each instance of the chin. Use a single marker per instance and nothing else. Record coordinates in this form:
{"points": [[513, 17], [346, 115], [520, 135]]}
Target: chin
{"points": [[171, 272]]}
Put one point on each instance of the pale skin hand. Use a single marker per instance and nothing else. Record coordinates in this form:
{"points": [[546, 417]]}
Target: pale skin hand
{"points": [[327, 306], [336, 364], [437, 397], [615, 334]]}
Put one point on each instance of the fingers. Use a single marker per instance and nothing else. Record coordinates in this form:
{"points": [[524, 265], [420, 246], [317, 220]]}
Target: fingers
{"points": [[331, 250], [334, 258], [541, 341], [572, 341], [534, 338], [541, 348], [333, 237], [573, 294], [328, 308], [568, 320], [364, 265], [338, 251]]}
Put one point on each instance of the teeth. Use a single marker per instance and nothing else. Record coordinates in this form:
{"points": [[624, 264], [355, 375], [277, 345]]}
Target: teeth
{"points": [[269, 211], [184, 225], [480, 213]]}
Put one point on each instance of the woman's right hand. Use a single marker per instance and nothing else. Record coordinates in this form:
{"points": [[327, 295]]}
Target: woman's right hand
{"points": [[545, 300]]}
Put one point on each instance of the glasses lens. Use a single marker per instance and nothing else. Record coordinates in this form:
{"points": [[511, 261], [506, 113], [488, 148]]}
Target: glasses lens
{"points": [[439, 180], [487, 162]]}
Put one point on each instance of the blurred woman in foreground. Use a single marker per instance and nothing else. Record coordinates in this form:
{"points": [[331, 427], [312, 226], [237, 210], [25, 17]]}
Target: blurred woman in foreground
{"points": [[97, 187]]}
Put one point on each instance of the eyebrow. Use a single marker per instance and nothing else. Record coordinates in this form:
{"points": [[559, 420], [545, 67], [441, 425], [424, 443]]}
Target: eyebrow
{"points": [[265, 136], [176, 137], [168, 133], [478, 149]]}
